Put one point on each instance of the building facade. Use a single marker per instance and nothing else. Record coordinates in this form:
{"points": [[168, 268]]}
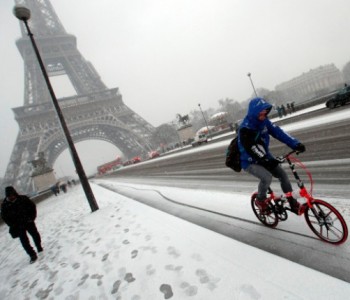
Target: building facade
{"points": [[316, 82]]}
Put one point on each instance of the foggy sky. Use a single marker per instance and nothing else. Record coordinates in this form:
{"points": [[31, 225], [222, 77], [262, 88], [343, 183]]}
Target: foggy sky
{"points": [[166, 56]]}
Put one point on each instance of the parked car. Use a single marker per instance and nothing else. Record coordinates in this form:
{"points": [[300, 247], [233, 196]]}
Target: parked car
{"points": [[127, 163], [136, 159], [153, 154], [200, 139]]}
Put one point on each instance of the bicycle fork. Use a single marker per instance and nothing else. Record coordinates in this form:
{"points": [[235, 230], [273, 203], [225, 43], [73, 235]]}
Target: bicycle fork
{"points": [[302, 192]]}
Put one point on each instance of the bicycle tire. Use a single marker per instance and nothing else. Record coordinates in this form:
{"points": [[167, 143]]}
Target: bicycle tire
{"points": [[270, 219], [326, 222]]}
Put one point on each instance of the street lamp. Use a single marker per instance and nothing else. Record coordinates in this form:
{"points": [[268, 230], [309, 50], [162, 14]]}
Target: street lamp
{"points": [[22, 13], [251, 81], [204, 118]]}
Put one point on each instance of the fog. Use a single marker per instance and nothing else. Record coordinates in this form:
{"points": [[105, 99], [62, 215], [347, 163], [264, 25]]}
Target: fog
{"points": [[168, 56]]}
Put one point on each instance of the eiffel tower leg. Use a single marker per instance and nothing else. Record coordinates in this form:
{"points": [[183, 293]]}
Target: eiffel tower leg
{"points": [[19, 168]]}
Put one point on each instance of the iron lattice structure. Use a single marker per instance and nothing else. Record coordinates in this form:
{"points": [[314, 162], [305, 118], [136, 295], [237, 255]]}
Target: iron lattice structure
{"points": [[95, 112]]}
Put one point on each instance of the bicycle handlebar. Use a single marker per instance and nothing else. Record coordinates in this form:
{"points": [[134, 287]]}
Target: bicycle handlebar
{"points": [[291, 152], [282, 158]]}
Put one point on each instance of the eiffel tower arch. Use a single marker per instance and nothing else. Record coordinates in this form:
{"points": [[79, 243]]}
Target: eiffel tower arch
{"points": [[95, 112]]}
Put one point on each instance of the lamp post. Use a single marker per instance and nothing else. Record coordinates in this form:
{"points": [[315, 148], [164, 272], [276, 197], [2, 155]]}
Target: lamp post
{"points": [[23, 14], [199, 105], [251, 81]]}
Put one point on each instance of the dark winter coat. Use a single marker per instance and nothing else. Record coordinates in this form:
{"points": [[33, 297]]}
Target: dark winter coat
{"points": [[18, 213], [254, 135]]}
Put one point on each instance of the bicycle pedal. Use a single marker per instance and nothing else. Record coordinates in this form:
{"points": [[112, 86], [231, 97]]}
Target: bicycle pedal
{"points": [[281, 201]]}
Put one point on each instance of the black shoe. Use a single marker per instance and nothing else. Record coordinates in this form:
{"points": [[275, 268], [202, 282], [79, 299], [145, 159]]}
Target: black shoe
{"points": [[294, 205], [33, 258], [40, 249], [295, 209]]}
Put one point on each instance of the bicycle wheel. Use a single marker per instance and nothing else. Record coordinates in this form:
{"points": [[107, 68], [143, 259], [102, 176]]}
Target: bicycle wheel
{"points": [[326, 222], [270, 219]]}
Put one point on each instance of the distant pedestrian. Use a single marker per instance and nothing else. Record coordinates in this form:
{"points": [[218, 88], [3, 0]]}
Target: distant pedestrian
{"points": [[292, 106], [19, 213], [279, 111], [283, 109], [63, 187], [289, 110], [55, 189]]}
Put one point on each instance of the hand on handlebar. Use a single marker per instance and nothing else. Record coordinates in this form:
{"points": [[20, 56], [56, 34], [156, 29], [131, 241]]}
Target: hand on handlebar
{"points": [[300, 148]]}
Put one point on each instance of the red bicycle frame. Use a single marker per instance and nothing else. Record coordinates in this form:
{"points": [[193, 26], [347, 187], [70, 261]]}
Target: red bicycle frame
{"points": [[303, 191]]}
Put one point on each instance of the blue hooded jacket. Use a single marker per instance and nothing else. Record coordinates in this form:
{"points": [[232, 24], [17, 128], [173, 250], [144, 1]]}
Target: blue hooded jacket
{"points": [[262, 131]]}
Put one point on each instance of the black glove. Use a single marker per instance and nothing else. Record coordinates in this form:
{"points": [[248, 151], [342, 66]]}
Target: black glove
{"points": [[269, 164], [300, 148]]}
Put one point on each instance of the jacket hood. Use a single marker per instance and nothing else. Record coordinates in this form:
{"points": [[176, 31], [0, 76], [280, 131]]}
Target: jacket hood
{"points": [[9, 190], [257, 105]]}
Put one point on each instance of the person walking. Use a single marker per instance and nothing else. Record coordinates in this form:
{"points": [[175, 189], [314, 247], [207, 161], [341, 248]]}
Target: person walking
{"points": [[19, 213], [256, 159]]}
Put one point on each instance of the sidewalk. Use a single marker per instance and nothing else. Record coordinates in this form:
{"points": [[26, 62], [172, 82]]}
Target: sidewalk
{"points": [[127, 250]]}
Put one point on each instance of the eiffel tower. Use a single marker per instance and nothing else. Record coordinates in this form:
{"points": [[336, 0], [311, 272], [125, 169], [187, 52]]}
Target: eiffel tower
{"points": [[95, 112]]}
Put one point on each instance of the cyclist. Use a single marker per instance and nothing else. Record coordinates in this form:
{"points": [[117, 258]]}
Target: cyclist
{"points": [[256, 159]]}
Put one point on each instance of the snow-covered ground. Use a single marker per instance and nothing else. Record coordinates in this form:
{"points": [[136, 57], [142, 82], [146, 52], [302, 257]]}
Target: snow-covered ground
{"points": [[126, 250]]}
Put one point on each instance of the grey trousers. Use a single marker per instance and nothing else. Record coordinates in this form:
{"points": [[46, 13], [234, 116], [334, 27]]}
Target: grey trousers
{"points": [[265, 177]]}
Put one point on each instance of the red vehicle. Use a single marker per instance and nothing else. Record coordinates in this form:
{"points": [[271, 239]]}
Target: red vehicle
{"points": [[136, 159], [153, 154], [110, 166]]}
